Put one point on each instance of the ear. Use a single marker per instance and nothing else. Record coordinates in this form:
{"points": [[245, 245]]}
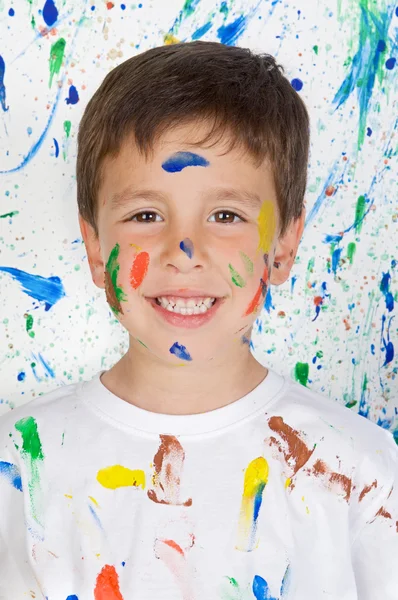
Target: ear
{"points": [[286, 250], [93, 249]]}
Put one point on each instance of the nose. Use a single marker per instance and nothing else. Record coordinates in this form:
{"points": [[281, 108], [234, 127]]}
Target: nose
{"points": [[184, 253]]}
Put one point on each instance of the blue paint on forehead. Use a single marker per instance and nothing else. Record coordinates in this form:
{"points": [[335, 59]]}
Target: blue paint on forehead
{"points": [[180, 160]]}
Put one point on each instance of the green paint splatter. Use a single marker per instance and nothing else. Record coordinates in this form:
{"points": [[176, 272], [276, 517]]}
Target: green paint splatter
{"points": [[29, 325], [351, 251], [56, 58], [301, 372], [33, 22], [10, 214], [32, 454], [115, 294], [236, 278], [141, 343], [67, 127], [315, 49], [247, 262], [359, 213]]}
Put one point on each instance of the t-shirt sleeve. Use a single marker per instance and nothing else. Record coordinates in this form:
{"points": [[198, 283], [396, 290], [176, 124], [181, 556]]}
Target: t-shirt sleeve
{"points": [[375, 545]]}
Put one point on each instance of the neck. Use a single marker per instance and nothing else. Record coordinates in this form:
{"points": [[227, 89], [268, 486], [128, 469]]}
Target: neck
{"points": [[142, 379]]}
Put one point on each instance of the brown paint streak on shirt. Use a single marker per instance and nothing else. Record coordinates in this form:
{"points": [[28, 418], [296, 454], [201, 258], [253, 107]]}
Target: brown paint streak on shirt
{"points": [[382, 512], [298, 451], [366, 490], [168, 463]]}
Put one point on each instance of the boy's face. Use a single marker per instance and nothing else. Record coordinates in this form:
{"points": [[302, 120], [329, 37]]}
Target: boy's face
{"points": [[189, 219]]}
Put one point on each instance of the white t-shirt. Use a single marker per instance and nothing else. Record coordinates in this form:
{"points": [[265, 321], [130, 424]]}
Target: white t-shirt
{"points": [[283, 494]]}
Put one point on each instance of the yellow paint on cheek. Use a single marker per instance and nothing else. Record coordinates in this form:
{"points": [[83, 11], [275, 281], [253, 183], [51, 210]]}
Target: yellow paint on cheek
{"points": [[118, 476], [266, 226]]}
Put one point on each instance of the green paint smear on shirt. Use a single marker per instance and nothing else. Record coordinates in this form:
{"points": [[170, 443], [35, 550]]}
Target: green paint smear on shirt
{"points": [[32, 454], [10, 214], [236, 278], [301, 373], [359, 213], [231, 590], [56, 58], [247, 262]]}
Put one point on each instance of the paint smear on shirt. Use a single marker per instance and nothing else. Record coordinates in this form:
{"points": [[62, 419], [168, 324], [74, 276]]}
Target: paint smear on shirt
{"points": [[32, 455], [114, 293], [117, 476], [168, 464], [107, 584], [173, 556], [256, 478], [187, 246], [294, 449], [139, 269], [261, 292], [12, 473], [266, 226], [321, 470], [180, 160]]}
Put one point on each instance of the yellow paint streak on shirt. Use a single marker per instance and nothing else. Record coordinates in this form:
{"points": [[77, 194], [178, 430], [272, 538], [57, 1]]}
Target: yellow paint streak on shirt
{"points": [[93, 500], [288, 482], [117, 476]]}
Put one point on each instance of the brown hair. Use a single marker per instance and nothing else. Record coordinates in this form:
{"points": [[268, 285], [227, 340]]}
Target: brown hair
{"points": [[241, 93]]}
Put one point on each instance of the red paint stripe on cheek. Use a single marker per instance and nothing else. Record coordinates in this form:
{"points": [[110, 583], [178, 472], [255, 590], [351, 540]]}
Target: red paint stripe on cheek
{"points": [[139, 269], [254, 303], [107, 585]]}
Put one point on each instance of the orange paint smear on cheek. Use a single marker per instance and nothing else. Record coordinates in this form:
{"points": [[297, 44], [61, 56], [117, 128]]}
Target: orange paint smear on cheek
{"points": [[139, 269], [255, 302]]}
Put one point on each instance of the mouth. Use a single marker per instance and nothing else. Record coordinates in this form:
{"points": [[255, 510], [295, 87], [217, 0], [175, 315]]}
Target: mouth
{"points": [[189, 321]]}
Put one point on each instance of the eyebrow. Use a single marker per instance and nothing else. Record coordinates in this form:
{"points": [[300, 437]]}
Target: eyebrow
{"points": [[128, 196]]}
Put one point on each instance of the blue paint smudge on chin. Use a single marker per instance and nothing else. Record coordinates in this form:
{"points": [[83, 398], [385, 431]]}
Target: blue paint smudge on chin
{"points": [[178, 161], [73, 97], [48, 290], [12, 473], [2, 86], [187, 246], [180, 351], [56, 148], [50, 13]]}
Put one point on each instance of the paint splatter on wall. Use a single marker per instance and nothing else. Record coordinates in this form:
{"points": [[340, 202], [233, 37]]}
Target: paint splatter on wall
{"points": [[332, 326]]}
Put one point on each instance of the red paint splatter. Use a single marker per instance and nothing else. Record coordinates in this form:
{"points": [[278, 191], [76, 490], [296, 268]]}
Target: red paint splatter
{"points": [[174, 545], [139, 269], [255, 302], [107, 584], [330, 190], [109, 5]]}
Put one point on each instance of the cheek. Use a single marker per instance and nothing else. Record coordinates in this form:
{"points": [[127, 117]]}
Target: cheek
{"points": [[262, 283]]}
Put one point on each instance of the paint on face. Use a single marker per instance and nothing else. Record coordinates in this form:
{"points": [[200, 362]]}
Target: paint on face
{"points": [[256, 478], [266, 226], [236, 278], [261, 292], [107, 584], [187, 246], [117, 476], [168, 463], [32, 455], [12, 473], [180, 351], [178, 161], [247, 262], [139, 269], [114, 293]]}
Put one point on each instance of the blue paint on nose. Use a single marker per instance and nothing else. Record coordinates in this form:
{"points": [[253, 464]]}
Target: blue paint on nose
{"points": [[187, 246]]}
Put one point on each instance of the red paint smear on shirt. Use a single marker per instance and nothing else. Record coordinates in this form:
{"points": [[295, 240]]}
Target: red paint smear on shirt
{"points": [[254, 303], [107, 585], [139, 269], [174, 545]]}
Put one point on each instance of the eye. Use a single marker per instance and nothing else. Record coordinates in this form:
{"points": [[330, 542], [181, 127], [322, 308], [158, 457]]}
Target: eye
{"points": [[229, 214], [147, 212]]}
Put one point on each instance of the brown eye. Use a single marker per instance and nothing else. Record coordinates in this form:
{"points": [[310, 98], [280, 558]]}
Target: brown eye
{"points": [[143, 220], [227, 217]]}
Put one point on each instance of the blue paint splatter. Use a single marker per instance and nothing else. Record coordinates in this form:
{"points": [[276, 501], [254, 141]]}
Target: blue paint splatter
{"points": [[180, 351], [187, 246], [294, 279], [336, 259], [48, 290], [268, 301], [229, 34], [180, 160], [21, 376], [286, 582], [50, 13], [390, 63], [297, 84], [261, 590], [385, 289], [12, 473], [48, 370], [73, 97], [96, 518], [387, 343], [72, 597], [56, 148], [11, 12], [201, 31], [2, 87]]}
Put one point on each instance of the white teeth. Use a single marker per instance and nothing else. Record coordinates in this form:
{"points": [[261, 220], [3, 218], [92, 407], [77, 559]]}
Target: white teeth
{"points": [[186, 307]]}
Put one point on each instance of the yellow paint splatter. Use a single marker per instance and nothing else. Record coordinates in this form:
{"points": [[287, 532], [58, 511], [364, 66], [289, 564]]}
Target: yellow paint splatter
{"points": [[256, 478], [93, 500], [169, 39], [117, 476], [288, 482], [266, 226], [135, 246], [68, 496]]}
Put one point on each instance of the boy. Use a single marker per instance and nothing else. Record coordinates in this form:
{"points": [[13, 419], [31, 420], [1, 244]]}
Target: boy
{"points": [[189, 470]]}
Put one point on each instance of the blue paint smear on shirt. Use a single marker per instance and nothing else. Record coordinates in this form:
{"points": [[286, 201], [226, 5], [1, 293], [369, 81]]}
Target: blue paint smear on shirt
{"points": [[187, 246], [96, 518], [73, 97], [50, 13], [261, 590], [2, 86], [12, 473], [180, 160], [48, 290], [180, 351]]}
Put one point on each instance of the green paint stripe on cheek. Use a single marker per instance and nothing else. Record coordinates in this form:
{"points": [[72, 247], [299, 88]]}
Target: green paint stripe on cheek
{"points": [[247, 262], [236, 278]]}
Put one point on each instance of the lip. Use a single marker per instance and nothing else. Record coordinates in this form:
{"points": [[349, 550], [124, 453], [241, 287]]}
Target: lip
{"points": [[186, 321], [185, 293]]}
